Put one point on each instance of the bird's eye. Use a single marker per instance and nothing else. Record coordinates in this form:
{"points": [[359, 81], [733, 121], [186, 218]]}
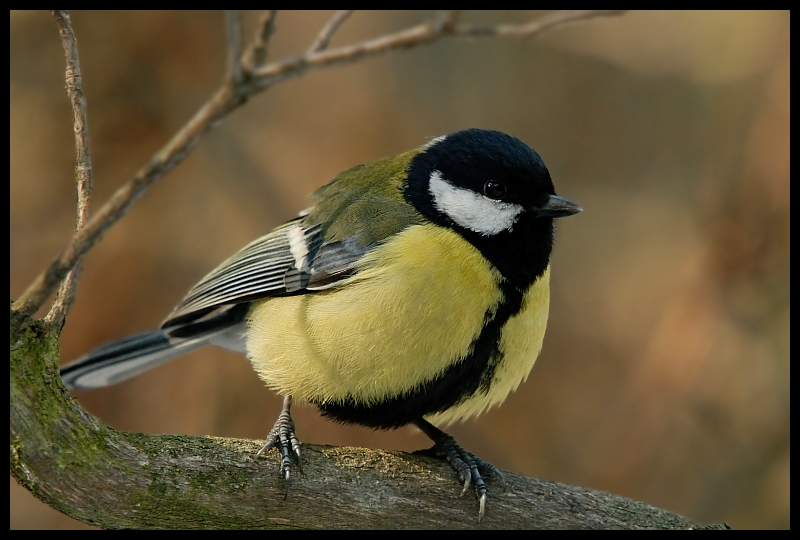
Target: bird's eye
{"points": [[494, 189]]}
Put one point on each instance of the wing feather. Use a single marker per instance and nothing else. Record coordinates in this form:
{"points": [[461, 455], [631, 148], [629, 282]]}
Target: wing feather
{"points": [[361, 208], [269, 267]]}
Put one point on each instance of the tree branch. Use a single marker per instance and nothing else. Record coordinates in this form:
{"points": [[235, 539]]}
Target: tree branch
{"points": [[112, 479], [230, 96], [233, 26], [326, 35], [256, 55], [415, 36], [83, 163], [85, 469], [535, 28]]}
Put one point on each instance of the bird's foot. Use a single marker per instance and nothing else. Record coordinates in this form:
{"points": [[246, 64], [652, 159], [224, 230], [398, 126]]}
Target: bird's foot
{"points": [[282, 436], [470, 468]]}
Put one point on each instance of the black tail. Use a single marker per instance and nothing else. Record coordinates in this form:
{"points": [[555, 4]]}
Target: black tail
{"points": [[120, 360]]}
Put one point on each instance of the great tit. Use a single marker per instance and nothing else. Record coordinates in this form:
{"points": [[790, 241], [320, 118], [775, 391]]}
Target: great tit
{"points": [[415, 291]]}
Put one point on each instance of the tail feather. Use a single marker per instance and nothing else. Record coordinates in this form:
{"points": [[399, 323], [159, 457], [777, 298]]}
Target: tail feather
{"points": [[121, 360]]}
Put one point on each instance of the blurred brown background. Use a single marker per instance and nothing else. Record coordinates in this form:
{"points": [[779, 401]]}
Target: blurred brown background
{"points": [[665, 372]]}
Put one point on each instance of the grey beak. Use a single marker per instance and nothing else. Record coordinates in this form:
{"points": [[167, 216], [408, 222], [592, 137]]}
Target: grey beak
{"points": [[557, 207]]}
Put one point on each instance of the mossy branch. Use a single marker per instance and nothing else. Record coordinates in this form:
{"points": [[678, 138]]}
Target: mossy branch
{"points": [[73, 462], [85, 469]]}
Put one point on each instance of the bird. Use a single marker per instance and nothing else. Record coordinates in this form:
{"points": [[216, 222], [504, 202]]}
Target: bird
{"points": [[414, 291]]}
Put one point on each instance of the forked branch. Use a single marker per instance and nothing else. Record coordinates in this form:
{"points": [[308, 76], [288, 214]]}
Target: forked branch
{"points": [[247, 75]]}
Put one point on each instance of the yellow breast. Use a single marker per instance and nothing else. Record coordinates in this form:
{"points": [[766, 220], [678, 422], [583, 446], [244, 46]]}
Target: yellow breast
{"points": [[416, 304], [520, 344]]}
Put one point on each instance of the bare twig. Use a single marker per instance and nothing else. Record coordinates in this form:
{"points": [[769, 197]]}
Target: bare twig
{"points": [[162, 162], [404, 39], [233, 27], [414, 36], [231, 96], [326, 35], [256, 55], [445, 19], [535, 28], [83, 162]]}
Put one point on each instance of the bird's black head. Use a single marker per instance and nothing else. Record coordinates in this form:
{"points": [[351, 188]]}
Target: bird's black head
{"points": [[496, 192]]}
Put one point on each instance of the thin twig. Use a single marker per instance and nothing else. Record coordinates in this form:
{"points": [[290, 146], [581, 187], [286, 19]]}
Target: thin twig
{"points": [[404, 39], [326, 35], [233, 31], [83, 163], [175, 151], [230, 97], [535, 28], [415, 36], [445, 19], [256, 55]]}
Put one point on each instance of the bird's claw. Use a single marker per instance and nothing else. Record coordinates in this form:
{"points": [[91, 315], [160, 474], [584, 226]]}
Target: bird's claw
{"points": [[470, 468], [282, 436]]}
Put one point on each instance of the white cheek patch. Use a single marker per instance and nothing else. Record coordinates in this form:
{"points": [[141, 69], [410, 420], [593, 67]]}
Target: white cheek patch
{"points": [[472, 210]]}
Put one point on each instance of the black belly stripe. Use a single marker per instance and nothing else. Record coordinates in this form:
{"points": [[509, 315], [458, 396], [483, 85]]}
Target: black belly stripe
{"points": [[460, 381]]}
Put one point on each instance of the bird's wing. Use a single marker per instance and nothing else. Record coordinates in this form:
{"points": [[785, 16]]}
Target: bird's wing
{"points": [[295, 258], [356, 212], [271, 265]]}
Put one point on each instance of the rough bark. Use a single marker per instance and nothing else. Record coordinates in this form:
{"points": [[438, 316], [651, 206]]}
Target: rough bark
{"points": [[112, 479]]}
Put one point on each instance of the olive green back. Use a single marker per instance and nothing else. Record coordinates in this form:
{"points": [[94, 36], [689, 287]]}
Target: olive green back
{"points": [[366, 202]]}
